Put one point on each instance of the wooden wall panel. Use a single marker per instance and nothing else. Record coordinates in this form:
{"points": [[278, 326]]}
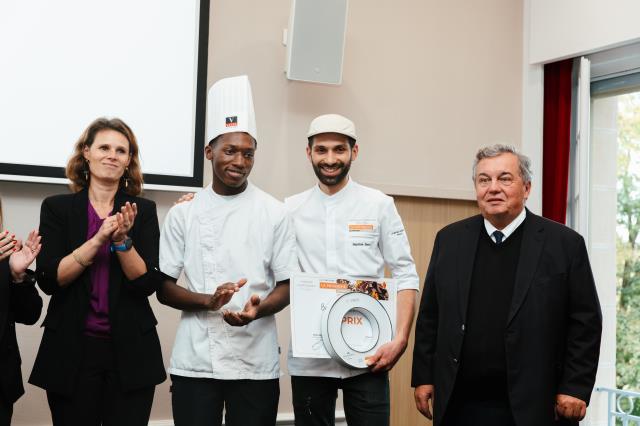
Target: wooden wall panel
{"points": [[423, 218]]}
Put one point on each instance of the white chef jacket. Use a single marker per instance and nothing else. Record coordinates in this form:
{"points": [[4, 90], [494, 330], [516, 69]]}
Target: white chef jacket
{"points": [[353, 232], [216, 239]]}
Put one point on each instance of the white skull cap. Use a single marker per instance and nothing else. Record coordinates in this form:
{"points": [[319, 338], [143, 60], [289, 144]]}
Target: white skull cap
{"points": [[332, 123]]}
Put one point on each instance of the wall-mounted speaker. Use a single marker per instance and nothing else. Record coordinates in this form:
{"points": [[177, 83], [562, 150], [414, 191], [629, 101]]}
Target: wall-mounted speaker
{"points": [[315, 40]]}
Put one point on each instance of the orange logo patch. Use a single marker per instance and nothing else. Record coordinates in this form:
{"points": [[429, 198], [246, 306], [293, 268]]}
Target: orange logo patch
{"points": [[360, 228]]}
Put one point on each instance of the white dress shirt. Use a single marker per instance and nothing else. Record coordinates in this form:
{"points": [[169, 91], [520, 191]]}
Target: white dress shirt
{"points": [[353, 232], [509, 229], [216, 239]]}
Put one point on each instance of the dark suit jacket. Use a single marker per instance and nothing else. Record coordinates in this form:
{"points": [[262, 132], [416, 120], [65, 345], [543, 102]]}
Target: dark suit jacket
{"points": [[63, 227], [18, 303], [552, 337]]}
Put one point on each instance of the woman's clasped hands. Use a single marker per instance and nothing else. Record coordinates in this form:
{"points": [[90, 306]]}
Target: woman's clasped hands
{"points": [[115, 227]]}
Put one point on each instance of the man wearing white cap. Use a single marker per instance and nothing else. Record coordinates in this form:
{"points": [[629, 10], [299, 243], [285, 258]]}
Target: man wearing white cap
{"points": [[345, 228], [236, 248]]}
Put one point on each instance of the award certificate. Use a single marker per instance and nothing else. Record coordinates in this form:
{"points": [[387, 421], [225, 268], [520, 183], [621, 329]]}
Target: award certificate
{"points": [[312, 294]]}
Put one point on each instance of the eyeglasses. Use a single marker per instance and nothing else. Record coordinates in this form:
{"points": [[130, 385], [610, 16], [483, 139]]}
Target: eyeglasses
{"points": [[485, 181]]}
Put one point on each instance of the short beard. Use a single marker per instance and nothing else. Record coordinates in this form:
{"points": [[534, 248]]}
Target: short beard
{"points": [[334, 180]]}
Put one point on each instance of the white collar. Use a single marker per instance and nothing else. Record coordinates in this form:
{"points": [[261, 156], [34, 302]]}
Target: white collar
{"points": [[338, 195], [228, 198], [509, 229]]}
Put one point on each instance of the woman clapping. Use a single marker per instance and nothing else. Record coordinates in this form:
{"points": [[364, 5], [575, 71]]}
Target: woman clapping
{"points": [[99, 359]]}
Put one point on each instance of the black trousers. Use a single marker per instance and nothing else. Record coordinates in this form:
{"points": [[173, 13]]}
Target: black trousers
{"points": [[97, 399], [365, 400], [6, 411], [200, 401], [479, 413]]}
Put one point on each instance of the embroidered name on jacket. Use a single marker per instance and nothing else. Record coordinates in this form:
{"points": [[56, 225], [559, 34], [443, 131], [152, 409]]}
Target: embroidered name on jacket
{"points": [[361, 244]]}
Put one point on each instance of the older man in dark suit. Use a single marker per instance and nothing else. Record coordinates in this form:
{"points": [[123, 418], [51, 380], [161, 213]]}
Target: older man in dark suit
{"points": [[508, 331]]}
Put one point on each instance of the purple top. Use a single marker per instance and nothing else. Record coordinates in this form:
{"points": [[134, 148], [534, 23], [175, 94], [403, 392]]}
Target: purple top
{"points": [[97, 323]]}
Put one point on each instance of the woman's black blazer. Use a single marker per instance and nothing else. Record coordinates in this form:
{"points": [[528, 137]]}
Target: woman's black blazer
{"points": [[18, 303], [63, 227]]}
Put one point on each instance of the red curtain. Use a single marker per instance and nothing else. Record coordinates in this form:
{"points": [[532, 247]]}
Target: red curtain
{"points": [[556, 139]]}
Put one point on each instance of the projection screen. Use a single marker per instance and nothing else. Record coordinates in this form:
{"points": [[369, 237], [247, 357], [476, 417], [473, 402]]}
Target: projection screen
{"points": [[65, 63]]}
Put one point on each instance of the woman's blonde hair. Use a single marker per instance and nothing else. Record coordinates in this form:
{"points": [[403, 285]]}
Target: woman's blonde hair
{"points": [[77, 170]]}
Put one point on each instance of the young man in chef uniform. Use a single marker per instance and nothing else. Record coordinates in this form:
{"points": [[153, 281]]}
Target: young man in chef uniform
{"points": [[236, 248], [344, 228]]}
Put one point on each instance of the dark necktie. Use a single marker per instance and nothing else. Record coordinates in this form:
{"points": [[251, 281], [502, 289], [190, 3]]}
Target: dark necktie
{"points": [[498, 236]]}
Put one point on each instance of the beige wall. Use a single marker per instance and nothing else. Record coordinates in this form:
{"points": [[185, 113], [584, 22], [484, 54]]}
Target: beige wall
{"points": [[570, 28], [426, 82]]}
